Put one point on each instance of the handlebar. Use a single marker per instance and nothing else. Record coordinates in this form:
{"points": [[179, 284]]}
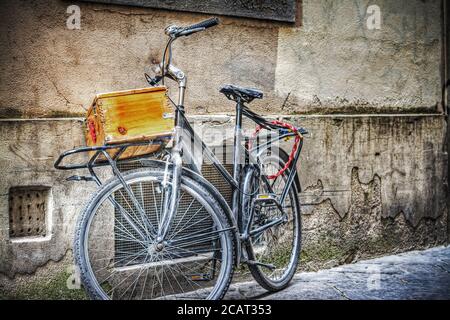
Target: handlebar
{"points": [[175, 31], [208, 23]]}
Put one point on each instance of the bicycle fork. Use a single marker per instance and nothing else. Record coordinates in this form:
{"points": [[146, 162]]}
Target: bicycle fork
{"points": [[171, 201], [171, 204]]}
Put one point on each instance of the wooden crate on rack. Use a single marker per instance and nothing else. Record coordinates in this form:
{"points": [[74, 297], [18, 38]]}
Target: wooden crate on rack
{"points": [[130, 116]]}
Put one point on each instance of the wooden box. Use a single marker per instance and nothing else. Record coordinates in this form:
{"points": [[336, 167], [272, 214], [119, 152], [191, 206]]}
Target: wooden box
{"points": [[130, 116]]}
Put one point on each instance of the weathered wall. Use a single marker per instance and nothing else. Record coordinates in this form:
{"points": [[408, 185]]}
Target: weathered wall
{"points": [[331, 63], [28, 150], [372, 183], [334, 62]]}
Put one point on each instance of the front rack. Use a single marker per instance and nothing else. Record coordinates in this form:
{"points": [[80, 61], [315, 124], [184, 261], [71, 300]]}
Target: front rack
{"points": [[108, 160]]}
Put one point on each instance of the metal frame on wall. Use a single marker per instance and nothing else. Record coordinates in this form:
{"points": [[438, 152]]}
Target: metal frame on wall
{"points": [[281, 10]]}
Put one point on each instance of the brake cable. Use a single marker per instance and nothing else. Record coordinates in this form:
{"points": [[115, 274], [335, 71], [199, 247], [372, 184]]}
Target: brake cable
{"points": [[163, 71]]}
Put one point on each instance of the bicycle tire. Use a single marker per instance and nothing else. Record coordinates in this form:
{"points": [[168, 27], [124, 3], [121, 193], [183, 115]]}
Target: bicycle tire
{"points": [[81, 255], [256, 270]]}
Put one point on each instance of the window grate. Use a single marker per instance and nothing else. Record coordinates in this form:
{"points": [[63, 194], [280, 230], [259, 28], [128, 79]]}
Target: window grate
{"points": [[27, 211]]}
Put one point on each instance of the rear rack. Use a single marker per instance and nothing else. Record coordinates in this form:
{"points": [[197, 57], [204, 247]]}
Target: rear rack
{"points": [[108, 160]]}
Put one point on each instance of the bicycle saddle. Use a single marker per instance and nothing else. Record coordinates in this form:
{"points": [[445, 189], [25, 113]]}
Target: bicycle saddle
{"points": [[234, 93]]}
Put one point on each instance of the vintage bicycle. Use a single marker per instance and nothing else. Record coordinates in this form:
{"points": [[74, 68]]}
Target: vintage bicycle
{"points": [[163, 231]]}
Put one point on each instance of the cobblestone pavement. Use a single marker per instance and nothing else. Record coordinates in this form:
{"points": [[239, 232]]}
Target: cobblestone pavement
{"points": [[410, 275]]}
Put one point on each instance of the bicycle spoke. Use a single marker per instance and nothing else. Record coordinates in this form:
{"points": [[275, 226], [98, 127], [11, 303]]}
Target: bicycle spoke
{"points": [[144, 222], [127, 265], [185, 225]]}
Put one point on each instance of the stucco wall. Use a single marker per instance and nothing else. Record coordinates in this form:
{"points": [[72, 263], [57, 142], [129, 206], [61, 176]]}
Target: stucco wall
{"points": [[372, 184], [332, 63]]}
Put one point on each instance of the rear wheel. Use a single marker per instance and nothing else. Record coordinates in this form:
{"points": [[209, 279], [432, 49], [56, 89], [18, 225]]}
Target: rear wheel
{"points": [[116, 250], [278, 246]]}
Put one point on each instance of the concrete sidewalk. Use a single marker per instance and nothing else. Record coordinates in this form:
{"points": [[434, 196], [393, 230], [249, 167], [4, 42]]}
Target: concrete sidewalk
{"points": [[411, 275]]}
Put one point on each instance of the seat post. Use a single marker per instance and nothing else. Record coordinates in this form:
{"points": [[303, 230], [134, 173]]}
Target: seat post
{"points": [[237, 155], [238, 121], [237, 139]]}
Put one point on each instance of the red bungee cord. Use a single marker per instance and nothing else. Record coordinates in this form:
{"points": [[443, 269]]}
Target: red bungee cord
{"points": [[298, 137]]}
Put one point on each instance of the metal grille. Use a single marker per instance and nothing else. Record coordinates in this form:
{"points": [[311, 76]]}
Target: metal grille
{"points": [[213, 175], [190, 213], [27, 211]]}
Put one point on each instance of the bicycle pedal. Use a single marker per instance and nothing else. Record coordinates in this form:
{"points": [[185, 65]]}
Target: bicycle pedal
{"points": [[266, 198], [200, 277]]}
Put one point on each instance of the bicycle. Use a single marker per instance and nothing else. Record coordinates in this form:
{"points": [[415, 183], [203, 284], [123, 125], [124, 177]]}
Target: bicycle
{"points": [[186, 241]]}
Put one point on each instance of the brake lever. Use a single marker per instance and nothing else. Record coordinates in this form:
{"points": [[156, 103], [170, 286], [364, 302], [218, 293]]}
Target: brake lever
{"points": [[190, 31], [152, 81], [172, 31]]}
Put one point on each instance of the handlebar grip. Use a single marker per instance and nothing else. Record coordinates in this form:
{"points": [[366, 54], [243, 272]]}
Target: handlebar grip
{"points": [[204, 24]]}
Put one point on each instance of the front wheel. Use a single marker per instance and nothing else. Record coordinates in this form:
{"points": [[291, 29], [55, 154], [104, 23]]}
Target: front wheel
{"points": [[277, 249], [119, 258]]}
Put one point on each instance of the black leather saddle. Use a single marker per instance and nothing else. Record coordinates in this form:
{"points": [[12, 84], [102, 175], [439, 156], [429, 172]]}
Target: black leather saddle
{"points": [[236, 93]]}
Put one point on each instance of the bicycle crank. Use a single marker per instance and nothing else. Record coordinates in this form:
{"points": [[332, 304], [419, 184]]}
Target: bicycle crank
{"points": [[269, 266]]}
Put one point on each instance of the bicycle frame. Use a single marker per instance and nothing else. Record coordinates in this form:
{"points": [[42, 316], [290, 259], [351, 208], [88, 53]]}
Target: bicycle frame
{"points": [[242, 232], [181, 124], [234, 180]]}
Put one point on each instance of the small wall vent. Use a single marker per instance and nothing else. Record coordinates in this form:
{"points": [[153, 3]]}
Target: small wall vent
{"points": [[28, 207]]}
